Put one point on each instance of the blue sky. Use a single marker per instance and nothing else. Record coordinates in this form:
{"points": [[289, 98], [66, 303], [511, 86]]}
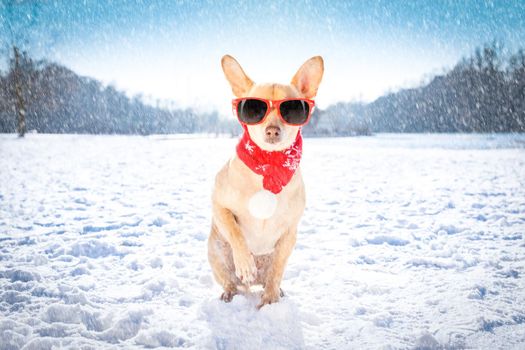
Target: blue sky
{"points": [[172, 49]]}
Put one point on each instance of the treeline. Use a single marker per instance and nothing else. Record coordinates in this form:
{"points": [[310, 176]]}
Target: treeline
{"points": [[56, 100], [340, 119], [482, 93]]}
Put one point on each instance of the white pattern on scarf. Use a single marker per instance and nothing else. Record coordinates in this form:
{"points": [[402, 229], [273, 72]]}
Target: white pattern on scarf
{"points": [[249, 147]]}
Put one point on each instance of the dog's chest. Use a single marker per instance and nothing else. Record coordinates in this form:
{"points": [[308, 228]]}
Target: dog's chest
{"points": [[262, 235]]}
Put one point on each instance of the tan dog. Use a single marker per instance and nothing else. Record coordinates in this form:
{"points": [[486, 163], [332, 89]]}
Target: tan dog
{"points": [[244, 250]]}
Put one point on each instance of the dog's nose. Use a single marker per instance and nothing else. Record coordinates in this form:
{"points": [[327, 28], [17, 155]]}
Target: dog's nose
{"points": [[273, 134], [272, 131]]}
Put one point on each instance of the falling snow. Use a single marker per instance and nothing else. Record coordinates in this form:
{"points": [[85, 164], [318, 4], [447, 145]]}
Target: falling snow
{"points": [[407, 241]]}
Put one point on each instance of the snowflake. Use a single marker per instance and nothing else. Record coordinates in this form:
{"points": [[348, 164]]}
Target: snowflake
{"points": [[293, 157], [248, 147], [262, 167], [293, 151], [291, 163]]}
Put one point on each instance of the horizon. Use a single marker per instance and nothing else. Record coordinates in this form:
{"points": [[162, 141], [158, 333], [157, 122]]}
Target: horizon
{"points": [[369, 49]]}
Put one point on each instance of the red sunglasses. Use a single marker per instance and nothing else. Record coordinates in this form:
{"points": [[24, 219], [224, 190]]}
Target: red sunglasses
{"points": [[292, 111]]}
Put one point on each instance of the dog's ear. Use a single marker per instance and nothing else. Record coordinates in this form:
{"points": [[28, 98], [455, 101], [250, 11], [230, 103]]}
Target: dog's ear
{"points": [[308, 77], [238, 80]]}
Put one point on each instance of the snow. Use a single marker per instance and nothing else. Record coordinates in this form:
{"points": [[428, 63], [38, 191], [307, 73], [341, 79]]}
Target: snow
{"points": [[407, 241]]}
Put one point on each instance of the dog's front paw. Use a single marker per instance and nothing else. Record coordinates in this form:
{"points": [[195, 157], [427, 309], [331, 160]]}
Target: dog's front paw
{"points": [[269, 296], [228, 295], [245, 268]]}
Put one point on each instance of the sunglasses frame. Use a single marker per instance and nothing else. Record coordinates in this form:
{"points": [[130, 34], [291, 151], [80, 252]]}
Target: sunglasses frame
{"points": [[273, 104]]}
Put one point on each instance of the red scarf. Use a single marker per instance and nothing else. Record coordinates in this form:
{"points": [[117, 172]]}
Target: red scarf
{"points": [[276, 167]]}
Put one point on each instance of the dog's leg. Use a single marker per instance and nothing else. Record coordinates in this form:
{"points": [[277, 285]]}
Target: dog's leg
{"points": [[283, 249], [243, 260], [221, 262]]}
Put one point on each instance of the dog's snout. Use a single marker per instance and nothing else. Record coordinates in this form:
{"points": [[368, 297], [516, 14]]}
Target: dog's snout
{"points": [[273, 131], [273, 134]]}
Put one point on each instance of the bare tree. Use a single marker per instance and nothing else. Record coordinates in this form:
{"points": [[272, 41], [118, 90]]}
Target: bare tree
{"points": [[19, 16], [20, 105]]}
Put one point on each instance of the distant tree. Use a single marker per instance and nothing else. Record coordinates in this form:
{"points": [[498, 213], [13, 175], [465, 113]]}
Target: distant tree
{"points": [[59, 101], [516, 77], [16, 37], [482, 93]]}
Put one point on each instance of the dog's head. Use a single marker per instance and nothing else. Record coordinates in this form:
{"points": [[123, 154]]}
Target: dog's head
{"points": [[273, 134]]}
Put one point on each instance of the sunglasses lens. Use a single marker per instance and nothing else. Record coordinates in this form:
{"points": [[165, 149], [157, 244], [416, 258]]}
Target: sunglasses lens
{"points": [[251, 111], [295, 111]]}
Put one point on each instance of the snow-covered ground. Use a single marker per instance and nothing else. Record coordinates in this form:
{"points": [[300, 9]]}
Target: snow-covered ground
{"points": [[408, 241]]}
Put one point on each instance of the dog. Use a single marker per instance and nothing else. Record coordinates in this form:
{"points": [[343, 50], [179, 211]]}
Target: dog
{"points": [[259, 196]]}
